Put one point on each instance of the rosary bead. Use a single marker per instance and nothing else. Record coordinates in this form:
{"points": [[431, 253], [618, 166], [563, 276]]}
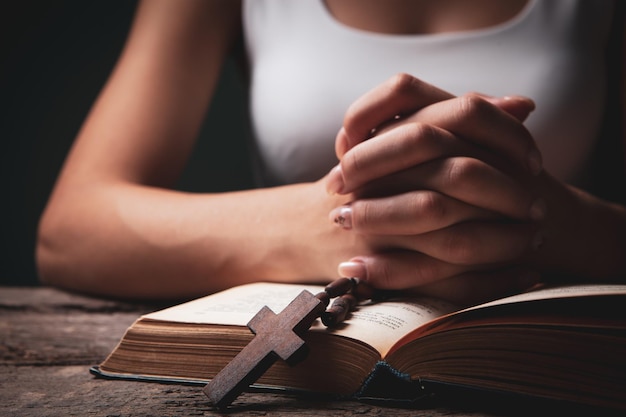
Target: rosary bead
{"points": [[339, 310], [323, 297], [347, 292], [363, 291], [340, 286]]}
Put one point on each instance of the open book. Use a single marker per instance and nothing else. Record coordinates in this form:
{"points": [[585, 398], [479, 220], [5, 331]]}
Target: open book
{"points": [[565, 343]]}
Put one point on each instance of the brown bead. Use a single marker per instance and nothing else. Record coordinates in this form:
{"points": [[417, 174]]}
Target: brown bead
{"points": [[350, 300], [339, 310], [332, 316], [340, 286], [323, 297], [363, 291]]}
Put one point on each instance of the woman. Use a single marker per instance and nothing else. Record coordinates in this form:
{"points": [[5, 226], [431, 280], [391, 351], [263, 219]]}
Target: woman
{"points": [[437, 190]]}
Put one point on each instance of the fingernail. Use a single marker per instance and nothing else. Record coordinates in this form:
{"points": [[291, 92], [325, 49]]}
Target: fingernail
{"points": [[353, 269], [342, 216], [529, 101], [341, 143], [538, 241], [538, 210], [535, 162], [334, 181], [521, 113]]}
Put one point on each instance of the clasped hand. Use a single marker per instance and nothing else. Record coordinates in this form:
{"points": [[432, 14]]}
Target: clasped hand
{"points": [[444, 191]]}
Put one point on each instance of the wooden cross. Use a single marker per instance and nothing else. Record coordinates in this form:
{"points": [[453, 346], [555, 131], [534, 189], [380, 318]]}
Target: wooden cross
{"points": [[277, 336]]}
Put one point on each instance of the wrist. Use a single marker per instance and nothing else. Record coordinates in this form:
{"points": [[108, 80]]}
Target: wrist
{"points": [[584, 237]]}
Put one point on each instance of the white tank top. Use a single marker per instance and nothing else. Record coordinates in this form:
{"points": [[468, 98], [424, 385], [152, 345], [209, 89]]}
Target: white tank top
{"points": [[307, 68]]}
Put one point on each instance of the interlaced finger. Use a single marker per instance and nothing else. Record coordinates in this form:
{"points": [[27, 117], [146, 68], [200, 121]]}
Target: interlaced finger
{"points": [[475, 119], [408, 213], [401, 94]]}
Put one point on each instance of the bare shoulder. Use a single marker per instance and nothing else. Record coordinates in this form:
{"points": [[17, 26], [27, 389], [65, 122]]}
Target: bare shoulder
{"points": [[187, 24]]}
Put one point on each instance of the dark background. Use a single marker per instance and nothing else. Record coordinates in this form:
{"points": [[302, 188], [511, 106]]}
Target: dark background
{"points": [[54, 58]]}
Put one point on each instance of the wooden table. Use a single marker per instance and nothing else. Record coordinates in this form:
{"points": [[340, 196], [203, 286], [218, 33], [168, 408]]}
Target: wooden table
{"points": [[50, 338]]}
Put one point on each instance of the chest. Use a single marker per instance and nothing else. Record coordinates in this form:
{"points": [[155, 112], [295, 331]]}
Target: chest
{"points": [[404, 17], [308, 67]]}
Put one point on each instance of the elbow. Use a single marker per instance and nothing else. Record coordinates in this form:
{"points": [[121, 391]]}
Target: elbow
{"points": [[57, 249], [68, 246], [49, 252], [63, 260]]}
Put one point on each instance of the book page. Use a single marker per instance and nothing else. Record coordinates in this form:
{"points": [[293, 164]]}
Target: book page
{"points": [[538, 294], [564, 291], [377, 324], [381, 324], [234, 306]]}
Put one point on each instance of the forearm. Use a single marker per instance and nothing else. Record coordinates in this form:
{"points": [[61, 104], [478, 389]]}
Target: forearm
{"points": [[134, 241]]}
